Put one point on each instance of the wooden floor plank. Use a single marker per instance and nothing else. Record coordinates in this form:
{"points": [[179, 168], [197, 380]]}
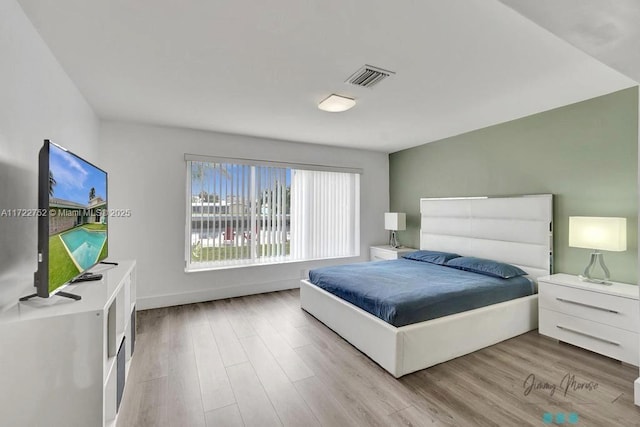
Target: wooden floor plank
{"points": [[226, 339], [183, 391], [130, 406], [367, 406], [257, 315], [228, 416], [325, 406], [374, 378], [237, 318], [153, 408], [214, 383], [281, 318], [178, 327], [151, 358], [287, 358], [289, 405], [284, 354], [255, 407], [412, 417]]}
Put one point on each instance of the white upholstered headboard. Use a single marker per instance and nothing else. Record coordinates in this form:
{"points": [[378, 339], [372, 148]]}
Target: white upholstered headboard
{"points": [[517, 230]]}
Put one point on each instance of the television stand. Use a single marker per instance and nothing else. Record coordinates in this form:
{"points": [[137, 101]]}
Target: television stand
{"points": [[71, 351], [62, 294]]}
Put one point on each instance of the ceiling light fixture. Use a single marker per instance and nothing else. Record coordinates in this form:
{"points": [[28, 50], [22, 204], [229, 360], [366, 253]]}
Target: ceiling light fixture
{"points": [[336, 103]]}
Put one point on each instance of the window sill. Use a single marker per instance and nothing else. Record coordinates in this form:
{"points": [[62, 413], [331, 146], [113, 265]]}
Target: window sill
{"points": [[241, 264]]}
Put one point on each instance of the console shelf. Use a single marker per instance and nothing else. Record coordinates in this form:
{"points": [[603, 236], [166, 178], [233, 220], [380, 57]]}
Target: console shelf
{"points": [[67, 360]]}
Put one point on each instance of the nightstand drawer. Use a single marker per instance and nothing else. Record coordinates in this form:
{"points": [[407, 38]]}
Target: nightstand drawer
{"points": [[611, 310], [613, 342], [378, 254], [381, 253]]}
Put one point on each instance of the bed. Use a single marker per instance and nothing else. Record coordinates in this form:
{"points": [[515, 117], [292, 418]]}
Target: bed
{"points": [[515, 230]]}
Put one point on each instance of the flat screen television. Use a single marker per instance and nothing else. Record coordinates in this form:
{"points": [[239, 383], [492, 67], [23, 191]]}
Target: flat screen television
{"points": [[72, 220]]}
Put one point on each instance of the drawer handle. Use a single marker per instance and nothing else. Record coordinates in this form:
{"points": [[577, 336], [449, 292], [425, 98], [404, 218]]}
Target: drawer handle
{"points": [[587, 305], [587, 335]]}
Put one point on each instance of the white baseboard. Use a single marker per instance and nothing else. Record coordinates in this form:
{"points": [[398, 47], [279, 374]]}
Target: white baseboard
{"points": [[636, 392], [146, 303]]}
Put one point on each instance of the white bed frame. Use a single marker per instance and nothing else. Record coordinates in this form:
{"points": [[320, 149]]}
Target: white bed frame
{"points": [[516, 230]]}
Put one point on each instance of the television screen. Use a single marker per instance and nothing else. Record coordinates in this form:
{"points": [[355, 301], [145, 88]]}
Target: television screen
{"points": [[76, 221]]}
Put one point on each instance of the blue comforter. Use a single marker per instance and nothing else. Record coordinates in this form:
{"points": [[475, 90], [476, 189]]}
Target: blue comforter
{"points": [[402, 291]]}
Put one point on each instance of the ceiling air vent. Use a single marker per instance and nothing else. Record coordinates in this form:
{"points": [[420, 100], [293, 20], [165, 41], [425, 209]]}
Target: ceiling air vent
{"points": [[368, 76]]}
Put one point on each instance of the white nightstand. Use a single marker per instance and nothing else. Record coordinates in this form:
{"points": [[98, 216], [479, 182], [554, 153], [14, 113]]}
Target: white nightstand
{"points": [[381, 253], [600, 318]]}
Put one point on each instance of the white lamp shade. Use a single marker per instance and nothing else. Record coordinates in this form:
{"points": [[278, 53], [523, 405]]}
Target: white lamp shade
{"points": [[395, 221], [603, 233]]}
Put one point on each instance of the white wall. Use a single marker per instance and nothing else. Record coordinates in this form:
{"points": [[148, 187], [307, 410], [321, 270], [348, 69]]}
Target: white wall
{"points": [[37, 101], [147, 174]]}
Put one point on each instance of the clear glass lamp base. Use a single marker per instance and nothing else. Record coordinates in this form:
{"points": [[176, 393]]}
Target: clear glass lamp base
{"points": [[587, 275], [393, 240]]}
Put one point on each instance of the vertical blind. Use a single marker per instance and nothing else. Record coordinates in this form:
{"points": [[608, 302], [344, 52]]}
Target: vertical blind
{"points": [[325, 214], [242, 213]]}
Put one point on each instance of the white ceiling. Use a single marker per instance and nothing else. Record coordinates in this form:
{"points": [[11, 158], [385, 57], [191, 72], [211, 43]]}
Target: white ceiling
{"points": [[609, 30], [260, 67]]}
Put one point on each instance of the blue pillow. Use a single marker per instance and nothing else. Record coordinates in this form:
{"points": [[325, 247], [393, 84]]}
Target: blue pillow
{"points": [[434, 257], [486, 266]]}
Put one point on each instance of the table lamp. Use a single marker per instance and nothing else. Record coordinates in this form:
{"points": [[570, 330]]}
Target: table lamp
{"points": [[597, 233], [395, 221]]}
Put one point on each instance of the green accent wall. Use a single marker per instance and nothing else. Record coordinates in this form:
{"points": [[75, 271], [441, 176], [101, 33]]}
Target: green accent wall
{"points": [[585, 154]]}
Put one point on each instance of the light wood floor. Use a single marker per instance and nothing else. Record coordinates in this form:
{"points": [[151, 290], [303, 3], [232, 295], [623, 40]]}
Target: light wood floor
{"points": [[260, 360]]}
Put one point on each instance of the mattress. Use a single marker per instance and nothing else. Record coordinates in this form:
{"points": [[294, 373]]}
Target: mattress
{"points": [[402, 291]]}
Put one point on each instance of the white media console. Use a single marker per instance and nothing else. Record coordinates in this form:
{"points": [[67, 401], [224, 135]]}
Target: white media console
{"points": [[65, 362]]}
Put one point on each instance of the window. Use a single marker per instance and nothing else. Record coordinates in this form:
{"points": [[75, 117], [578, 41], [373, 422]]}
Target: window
{"points": [[245, 212]]}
